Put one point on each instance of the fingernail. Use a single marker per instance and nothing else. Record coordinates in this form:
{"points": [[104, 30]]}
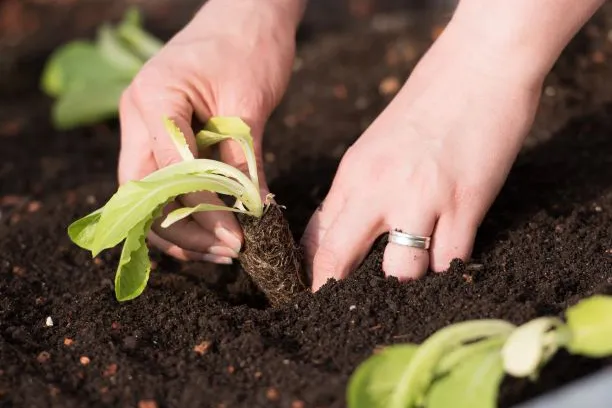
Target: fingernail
{"points": [[222, 250], [223, 260], [231, 240]]}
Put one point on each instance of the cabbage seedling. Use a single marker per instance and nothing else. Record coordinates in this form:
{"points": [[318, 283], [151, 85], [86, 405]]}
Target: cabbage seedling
{"points": [[462, 365], [269, 255], [87, 78]]}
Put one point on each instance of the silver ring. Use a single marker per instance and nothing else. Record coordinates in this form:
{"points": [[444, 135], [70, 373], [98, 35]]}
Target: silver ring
{"points": [[401, 238]]}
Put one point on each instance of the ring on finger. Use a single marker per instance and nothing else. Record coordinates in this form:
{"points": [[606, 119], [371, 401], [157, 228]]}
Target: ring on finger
{"points": [[399, 237]]}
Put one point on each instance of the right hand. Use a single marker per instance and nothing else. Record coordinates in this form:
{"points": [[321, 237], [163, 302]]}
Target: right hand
{"points": [[233, 59]]}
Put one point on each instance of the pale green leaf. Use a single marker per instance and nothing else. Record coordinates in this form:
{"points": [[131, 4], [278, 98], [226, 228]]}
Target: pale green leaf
{"points": [[141, 41], [375, 380], [529, 346], [83, 230], [474, 383], [460, 354], [178, 138], [135, 200], [134, 265], [117, 52], [416, 379], [85, 104], [78, 63], [220, 128], [185, 212], [590, 323]]}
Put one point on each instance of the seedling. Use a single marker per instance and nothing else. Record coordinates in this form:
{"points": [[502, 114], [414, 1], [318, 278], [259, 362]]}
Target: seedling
{"points": [[87, 78], [129, 213], [462, 365]]}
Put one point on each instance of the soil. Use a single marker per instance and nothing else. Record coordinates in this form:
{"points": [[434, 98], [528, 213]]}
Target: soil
{"points": [[199, 337]]}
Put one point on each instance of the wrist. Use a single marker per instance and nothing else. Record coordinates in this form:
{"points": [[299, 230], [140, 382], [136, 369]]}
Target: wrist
{"points": [[244, 16]]}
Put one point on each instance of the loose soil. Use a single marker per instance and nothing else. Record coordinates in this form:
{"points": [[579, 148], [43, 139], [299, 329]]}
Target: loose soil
{"points": [[200, 337]]}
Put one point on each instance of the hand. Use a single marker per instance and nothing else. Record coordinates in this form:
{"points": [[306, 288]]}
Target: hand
{"points": [[430, 165], [233, 58]]}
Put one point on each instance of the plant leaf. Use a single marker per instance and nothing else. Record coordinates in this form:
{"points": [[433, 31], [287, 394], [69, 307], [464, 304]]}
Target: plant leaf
{"points": [[134, 265], [79, 64], [85, 104], [82, 231], [412, 387], [131, 31], [117, 52], [590, 322], [374, 380], [527, 347], [456, 357], [178, 138], [135, 200], [474, 383], [220, 128], [184, 212]]}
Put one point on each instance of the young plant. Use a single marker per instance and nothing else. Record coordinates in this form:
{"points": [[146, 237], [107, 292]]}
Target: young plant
{"points": [[269, 255], [462, 365], [87, 78]]}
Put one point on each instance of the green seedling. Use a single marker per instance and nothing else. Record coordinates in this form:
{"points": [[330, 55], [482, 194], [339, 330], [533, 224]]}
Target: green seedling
{"points": [[462, 365], [87, 78], [129, 213]]}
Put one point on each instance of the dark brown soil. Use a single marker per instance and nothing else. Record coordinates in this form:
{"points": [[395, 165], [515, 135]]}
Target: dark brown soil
{"points": [[197, 337], [271, 257]]}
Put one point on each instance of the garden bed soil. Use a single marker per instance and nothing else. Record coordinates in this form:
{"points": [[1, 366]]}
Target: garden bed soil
{"points": [[200, 337]]}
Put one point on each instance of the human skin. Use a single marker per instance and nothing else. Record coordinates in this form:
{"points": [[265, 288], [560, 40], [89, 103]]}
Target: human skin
{"points": [[431, 164]]}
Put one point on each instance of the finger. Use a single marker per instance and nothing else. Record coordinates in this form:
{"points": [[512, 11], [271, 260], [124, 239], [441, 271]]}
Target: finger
{"points": [[346, 243], [187, 234], [319, 225], [402, 261], [156, 102], [136, 160], [222, 224], [453, 238], [182, 254]]}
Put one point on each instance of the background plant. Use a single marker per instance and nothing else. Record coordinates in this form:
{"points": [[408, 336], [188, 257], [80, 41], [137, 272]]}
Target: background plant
{"points": [[462, 365], [87, 78]]}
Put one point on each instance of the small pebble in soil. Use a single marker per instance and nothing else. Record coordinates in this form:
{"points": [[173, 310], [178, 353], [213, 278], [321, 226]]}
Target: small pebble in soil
{"points": [[34, 206], [352, 307], [269, 157], [231, 369], [202, 348], [257, 374], [111, 370], [272, 394], [467, 278], [84, 360], [90, 199], [598, 57], [68, 342], [49, 322], [340, 91], [43, 357], [550, 91], [54, 391], [18, 271], [298, 404], [98, 262], [389, 86], [148, 403], [115, 325]]}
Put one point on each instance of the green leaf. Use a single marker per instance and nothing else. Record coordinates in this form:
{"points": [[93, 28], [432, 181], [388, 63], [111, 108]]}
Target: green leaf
{"points": [[530, 345], [82, 231], [135, 200], [85, 104], [220, 128], [456, 357], [178, 138], [412, 387], [117, 52], [134, 265], [79, 64], [375, 380], [590, 323], [474, 383], [184, 212], [131, 31]]}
